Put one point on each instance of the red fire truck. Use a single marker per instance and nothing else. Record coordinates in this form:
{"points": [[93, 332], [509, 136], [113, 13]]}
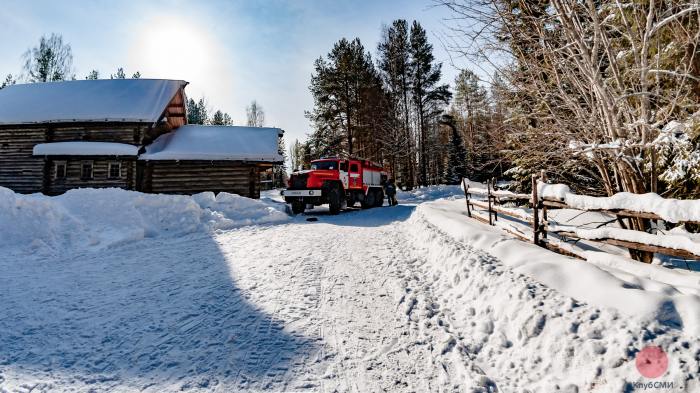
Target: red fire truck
{"points": [[339, 182]]}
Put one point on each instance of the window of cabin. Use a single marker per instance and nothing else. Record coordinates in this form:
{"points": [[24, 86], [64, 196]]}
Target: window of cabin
{"points": [[354, 168], [59, 170], [114, 170], [86, 170], [343, 166]]}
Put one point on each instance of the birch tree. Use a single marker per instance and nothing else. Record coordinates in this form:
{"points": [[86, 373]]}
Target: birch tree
{"points": [[51, 60], [255, 115]]}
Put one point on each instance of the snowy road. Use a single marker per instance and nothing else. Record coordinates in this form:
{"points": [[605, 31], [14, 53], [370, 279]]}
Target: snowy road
{"points": [[326, 306], [351, 289]]}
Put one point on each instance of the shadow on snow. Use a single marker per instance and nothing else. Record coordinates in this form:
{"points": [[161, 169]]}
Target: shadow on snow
{"points": [[139, 314], [373, 217]]}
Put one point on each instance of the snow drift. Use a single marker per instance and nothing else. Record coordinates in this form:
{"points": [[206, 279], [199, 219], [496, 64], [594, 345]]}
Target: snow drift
{"points": [[105, 217], [539, 321], [665, 299]]}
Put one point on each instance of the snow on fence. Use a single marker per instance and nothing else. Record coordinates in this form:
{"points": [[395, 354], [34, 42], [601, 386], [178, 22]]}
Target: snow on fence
{"points": [[546, 196]]}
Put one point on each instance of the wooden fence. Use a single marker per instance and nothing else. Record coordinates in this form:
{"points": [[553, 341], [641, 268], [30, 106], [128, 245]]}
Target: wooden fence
{"points": [[538, 219]]}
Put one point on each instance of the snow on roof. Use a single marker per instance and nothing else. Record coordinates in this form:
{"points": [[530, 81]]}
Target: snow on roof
{"points": [[83, 148], [117, 100], [196, 142]]}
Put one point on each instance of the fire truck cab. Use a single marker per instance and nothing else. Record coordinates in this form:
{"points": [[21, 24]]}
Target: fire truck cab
{"points": [[339, 182]]}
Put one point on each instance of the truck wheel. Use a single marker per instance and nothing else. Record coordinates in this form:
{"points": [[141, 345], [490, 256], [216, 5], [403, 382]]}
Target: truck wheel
{"points": [[351, 199], [298, 206], [379, 201], [370, 200], [334, 200]]}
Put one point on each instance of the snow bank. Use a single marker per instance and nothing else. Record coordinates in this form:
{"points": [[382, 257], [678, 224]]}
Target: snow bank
{"points": [[104, 217], [657, 301], [430, 193], [671, 210], [537, 321]]}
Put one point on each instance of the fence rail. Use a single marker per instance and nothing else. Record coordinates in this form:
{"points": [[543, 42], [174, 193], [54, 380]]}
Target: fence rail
{"points": [[539, 223]]}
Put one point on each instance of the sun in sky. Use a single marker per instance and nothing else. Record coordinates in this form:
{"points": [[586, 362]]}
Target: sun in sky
{"points": [[173, 47]]}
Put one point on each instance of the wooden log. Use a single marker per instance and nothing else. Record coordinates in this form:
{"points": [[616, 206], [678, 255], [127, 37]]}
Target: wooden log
{"points": [[505, 211], [465, 187], [560, 250], [488, 188], [481, 219], [543, 177], [535, 212], [493, 189], [636, 246]]}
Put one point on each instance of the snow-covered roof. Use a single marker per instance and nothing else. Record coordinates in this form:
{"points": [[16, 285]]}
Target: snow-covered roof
{"points": [[197, 142], [114, 100], [84, 148]]}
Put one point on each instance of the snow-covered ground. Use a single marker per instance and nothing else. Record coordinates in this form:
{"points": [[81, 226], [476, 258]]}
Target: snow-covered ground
{"points": [[120, 291]]}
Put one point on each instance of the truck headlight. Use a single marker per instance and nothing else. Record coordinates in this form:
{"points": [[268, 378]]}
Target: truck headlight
{"points": [[311, 192]]}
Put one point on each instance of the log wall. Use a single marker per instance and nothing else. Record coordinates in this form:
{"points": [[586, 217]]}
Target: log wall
{"points": [[19, 169], [191, 177], [124, 134], [100, 178], [23, 172]]}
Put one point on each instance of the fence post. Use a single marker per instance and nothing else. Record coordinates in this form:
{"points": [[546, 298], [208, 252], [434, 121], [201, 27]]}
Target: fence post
{"points": [[465, 186], [535, 212], [488, 196], [493, 185], [543, 177]]}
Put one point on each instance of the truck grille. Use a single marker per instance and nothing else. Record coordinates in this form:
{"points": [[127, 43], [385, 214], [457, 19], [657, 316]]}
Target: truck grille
{"points": [[299, 181]]}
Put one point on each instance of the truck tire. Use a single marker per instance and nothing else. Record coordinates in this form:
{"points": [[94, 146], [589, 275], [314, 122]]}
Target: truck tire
{"points": [[370, 200], [379, 198], [298, 206], [334, 200], [351, 199]]}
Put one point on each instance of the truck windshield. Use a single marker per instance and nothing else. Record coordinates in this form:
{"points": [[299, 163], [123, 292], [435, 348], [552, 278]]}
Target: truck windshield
{"points": [[324, 165]]}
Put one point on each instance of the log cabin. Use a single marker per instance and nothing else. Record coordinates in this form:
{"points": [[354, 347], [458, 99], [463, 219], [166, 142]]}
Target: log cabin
{"points": [[125, 133]]}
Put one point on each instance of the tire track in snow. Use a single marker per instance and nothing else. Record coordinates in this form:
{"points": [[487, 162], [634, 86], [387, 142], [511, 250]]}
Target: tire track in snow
{"points": [[368, 342]]}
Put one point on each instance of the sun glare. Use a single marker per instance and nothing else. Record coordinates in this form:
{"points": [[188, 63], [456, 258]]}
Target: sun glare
{"points": [[173, 48]]}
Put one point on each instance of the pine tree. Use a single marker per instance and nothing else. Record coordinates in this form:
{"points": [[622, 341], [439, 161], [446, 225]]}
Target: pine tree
{"points": [[428, 96], [202, 111], [194, 114], [279, 172], [457, 154], [52, 60], [345, 86], [119, 75], [395, 68], [218, 118], [227, 120], [9, 80], [472, 102], [137, 75], [93, 75]]}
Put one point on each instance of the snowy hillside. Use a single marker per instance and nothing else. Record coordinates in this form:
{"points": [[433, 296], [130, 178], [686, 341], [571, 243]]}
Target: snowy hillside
{"points": [[111, 290]]}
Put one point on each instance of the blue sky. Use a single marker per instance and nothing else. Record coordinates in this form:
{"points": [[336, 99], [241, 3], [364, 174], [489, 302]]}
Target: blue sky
{"points": [[231, 52]]}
